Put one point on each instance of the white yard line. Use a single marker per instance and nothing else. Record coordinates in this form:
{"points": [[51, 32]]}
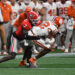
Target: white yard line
{"points": [[50, 55]]}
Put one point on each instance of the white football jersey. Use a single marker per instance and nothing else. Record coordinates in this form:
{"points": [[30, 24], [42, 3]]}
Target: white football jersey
{"points": [[43, 29], [24, 6], [21, 7], [50, 10], [37, 6], [15, 10], [63, 8], [8, 2]]}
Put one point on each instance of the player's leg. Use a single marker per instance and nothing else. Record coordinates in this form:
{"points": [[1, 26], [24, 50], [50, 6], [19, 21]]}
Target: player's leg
{"points": [[6, 25], [10, 57], [3, 35], [58, 43], [67, 41], [9, 37], [63, 40], [73, 42], [41, 54], [27, 55], [34, 50], [12, 53]]}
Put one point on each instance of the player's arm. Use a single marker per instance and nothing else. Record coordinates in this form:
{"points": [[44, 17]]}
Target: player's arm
{"points": [[19, 20], [28, 37]]}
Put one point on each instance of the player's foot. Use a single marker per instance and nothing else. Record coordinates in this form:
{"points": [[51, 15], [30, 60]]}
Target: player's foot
{"points": [[5, 53], [52, 50], [73, 51], [22, 63], [20, 51], [33, 66], [62, 48], [33, 62], [66, 51]]}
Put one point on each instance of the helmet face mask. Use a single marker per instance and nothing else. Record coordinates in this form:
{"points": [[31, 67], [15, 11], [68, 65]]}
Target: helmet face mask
{"points": [[34, 21]]}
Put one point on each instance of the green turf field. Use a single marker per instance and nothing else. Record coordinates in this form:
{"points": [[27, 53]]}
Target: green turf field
{"points": [[51, 64]]}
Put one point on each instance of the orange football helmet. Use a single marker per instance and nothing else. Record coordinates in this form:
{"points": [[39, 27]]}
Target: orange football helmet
{"points": [[28, 9], [58, 21]]}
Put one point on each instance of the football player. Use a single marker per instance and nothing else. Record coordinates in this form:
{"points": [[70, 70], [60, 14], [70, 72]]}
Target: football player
{"points": [[62, 10], [21, 34], [49, 29], [15, 14], [50, 10], [71, 27]]}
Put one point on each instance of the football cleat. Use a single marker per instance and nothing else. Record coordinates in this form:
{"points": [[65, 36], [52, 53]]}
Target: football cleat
{"points": [[66, 51], [62, 48], [33, 62], [23, 63], [20, 51], [5, 53]]}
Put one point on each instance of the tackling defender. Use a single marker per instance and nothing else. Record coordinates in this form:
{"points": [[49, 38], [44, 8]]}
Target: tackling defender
{"points": [[21, 34]]}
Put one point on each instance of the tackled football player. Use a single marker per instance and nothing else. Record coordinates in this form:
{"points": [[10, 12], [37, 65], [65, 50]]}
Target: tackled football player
{"points": [[49, 29]]}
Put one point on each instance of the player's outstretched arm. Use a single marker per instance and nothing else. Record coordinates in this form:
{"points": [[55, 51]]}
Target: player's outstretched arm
{"points": [[28, 37]]}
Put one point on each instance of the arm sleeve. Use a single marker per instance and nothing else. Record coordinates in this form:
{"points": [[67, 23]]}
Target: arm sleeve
{"points": [[28, 37]]}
